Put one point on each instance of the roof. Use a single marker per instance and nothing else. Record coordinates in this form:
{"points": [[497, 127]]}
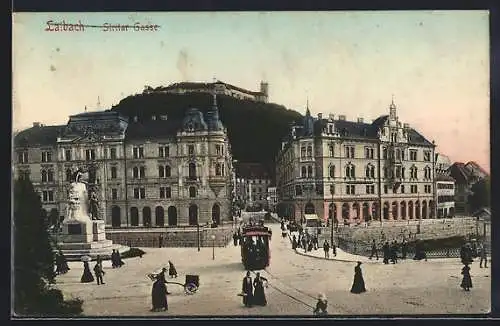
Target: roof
{"points": [[485, 211], [38, 136], [476, 166], [150, 129], [459, 173], [444, 177]]}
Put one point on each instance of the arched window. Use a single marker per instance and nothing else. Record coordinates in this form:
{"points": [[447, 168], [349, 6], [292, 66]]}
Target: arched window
{"points": [[332, 171], [44, 176], [168, 172], [348, 171], [192, 170], [218, 171], [367, 171], [113, 172], [309, 171], [69, 175], [372, 172], [330, 148], [192, 192], [384, 153], [161, 171], [353, 171], [303, 172]]}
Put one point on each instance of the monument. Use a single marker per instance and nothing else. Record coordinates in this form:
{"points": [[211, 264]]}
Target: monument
{"points": [[83, 231]]}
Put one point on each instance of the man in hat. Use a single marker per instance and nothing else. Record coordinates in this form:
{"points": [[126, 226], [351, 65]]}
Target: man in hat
{"points": [[161, 277]]}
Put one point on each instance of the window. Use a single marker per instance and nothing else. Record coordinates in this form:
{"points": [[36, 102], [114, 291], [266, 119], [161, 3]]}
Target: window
{"points": [[165, 192], [402, 154], [164, 151], [135, 172], [139, 193], [50, 176], [427, 173], [24, 174], [44, 176], [398, 172], [190, 149], [370, 189], [113, 172], [67, 154], [136, 193], [218, 149], [138, 152], [368, 152], [22, 157], [370, 171], [69, 174], [332, 189], [309, 151], [114, 193], [350, 189], [413, 172], [403, 172], [427, 156], [161, 171], [142, 172], [302, 151], [46, 156], [384, 153], [331, 170], [413, 155], [349, 151], [330, 149], [112, 153], [303, 172], [427, 189], [47, 196], [192, 192], [298, 190], [386, 189], [309, 171], [402, 189], [413, 189], [350, 171]]}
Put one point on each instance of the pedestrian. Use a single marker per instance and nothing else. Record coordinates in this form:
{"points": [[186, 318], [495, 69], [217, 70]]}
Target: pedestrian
{"points": [[358, 286], [162, 278], [172, 272], [159, 296], [119, 261], [334, 249], [483, 256], [114, 262], [386, 252], [374, 250], [235, 239], [87, 276], [247, 290], [160, 241], [466, 280], [394, 252], [259, 296], [61, 263], [404, 249], [99, 273], [321, 306], [326, 248], [294, 242]]}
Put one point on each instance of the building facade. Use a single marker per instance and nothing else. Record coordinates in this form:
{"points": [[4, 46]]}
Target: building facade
{"points": [[219, 87], [148, 172], [272, 198], [445, 189], [465, 175], [354, 171], [254, 180]]}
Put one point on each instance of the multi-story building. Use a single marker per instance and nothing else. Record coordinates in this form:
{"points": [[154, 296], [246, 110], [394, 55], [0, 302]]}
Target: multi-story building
{"points": [[219, 87], [465, 175], [355, 171], [445, 190], [272, 198], [443, 164], [256, 179], [148, 172]]}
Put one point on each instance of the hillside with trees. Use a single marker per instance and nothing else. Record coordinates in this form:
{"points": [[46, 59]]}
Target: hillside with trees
{"points": [[255, 129]]}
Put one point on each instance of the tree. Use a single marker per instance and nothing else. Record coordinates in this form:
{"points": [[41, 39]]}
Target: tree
{"points": [[34, 260], [480, 195]]}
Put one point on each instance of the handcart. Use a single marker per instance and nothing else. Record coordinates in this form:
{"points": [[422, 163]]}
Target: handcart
{"points": [[190, 286]]}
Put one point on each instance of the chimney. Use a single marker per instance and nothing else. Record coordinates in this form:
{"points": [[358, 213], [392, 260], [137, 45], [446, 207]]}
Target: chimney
{"points": [[163, 117], [135, 118], [360, 120], [320, 116], [153, 117], [342, 117], [36, 124], [331, 116]]}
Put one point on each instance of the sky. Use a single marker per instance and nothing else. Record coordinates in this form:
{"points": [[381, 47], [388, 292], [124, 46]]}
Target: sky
{"points": [[435, 64]]}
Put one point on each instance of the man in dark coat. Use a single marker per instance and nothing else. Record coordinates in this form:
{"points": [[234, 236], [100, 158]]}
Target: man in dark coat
{"points": [[374, 250], [159, 296], [235, 239], [160, 241], [247, 290], [99, 273], [334, 249], [326, 248], [404, 249], [394, 252], [386, 251]]}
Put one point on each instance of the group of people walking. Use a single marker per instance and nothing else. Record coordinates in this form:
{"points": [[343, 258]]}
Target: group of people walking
{"points": [[252, 291], [116, 259], [306, 241], [391, 250], [87, 276]]}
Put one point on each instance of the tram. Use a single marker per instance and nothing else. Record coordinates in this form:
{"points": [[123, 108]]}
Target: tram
{"points": [[255, 249]]}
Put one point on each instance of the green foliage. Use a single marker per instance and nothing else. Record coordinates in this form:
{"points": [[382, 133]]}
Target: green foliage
{"points": [[481, 196], [133, 252], [33, 258], [255, 129]]}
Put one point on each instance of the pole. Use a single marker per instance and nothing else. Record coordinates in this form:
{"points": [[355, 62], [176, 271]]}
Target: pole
{"points": [[331, 220], [213, 249], [198, 232], [419, 212]]}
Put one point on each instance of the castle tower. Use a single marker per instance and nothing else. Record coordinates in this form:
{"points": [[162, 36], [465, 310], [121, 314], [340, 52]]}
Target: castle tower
{"points": [[264, 89]]}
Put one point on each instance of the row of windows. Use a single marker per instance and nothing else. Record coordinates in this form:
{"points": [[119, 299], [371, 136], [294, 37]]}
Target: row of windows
{"points": [[350, 172], [164, 192], [445, 186], [370, 189], [444, 199], [307, 151]]}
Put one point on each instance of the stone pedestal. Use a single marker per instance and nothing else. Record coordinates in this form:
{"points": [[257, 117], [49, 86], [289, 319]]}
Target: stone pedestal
{"points": [[86, 238]]}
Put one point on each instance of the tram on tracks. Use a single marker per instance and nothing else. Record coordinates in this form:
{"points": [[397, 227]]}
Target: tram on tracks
{"points": [[255, 248]]}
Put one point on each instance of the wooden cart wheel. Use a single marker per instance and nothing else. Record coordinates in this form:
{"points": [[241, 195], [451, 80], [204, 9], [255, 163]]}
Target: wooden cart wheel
{"points": [[190, 288]]}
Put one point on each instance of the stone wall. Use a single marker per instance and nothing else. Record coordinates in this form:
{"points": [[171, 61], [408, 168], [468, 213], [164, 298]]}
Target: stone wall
{"points": [[172, 237]]}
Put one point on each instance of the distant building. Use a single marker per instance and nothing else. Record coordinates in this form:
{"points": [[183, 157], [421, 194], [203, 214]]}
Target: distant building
{"points": [[475, 171], [256, 180], [443, 164], [465, 176], [272, 198], [220, 88], [445, 188], [150, 172]]}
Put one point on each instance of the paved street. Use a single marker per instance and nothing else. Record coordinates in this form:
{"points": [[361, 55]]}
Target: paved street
{"points": [[409, 287]]}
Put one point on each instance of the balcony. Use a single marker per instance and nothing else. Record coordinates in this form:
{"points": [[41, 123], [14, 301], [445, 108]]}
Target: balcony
{"points": [[217, 179], [192, 179]]}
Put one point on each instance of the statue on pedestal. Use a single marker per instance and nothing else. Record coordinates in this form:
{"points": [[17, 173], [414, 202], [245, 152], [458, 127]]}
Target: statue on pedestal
{"points": [[82, 206]]}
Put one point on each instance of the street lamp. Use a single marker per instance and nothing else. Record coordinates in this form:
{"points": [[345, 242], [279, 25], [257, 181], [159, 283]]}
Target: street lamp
{"points": [[213, 246], [332, 191], [198, 233]]}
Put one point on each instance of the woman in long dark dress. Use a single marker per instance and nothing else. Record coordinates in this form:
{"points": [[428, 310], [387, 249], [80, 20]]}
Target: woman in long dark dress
{"points": [[358, 286], [259, 297], [87, 276], [159, 296], [467, 280]]}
